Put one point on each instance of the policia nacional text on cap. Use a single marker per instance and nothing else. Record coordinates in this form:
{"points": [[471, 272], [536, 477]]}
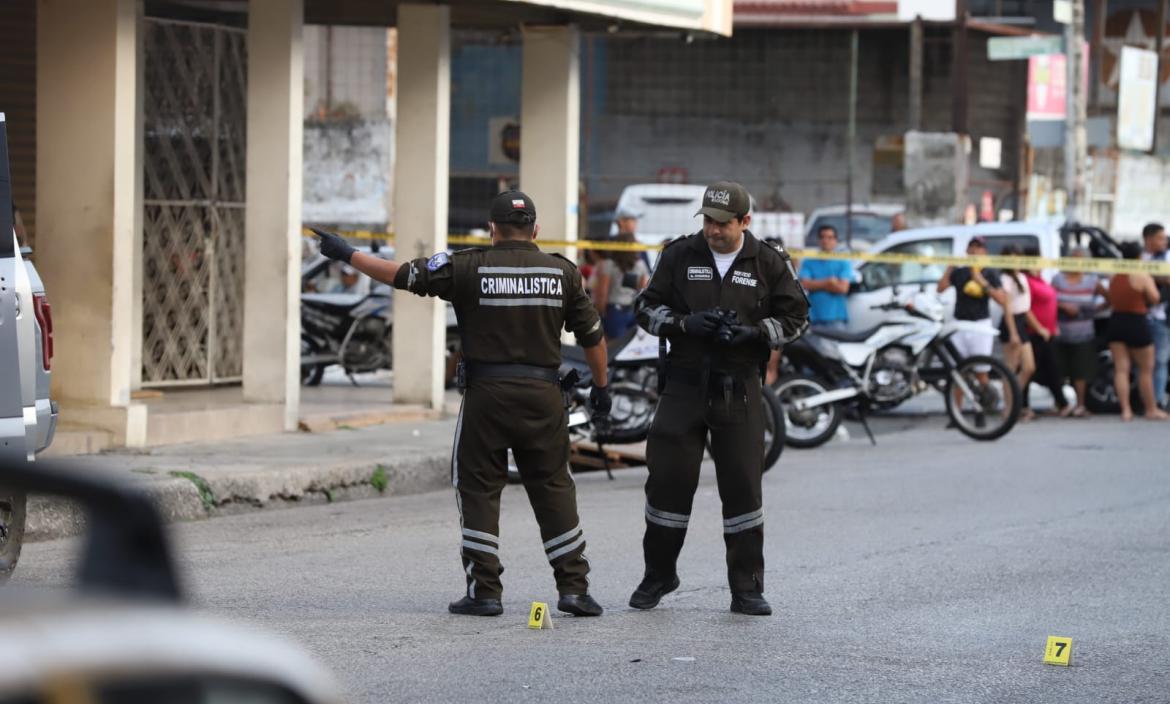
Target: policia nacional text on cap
{"points": [[724, 299], [511, 301]]}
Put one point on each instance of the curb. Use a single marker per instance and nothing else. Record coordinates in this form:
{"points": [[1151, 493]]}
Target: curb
{"points": [[192, 496]]}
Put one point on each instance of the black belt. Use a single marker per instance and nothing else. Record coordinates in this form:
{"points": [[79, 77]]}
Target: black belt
{"points": [[694, 377], [484, 370]]}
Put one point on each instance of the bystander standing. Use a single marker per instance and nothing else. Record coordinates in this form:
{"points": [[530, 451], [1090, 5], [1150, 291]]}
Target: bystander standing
{"points": [[617, 281], [1079, 297], [1018, 319], [1044, 311], [1130, 341], [827, 282]]}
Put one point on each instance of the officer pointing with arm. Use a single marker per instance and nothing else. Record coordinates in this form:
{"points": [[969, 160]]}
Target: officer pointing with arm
{"points": [[724, 299], [511, 301]]}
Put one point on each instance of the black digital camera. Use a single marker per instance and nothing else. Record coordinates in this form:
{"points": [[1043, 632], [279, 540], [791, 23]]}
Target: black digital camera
{"points": [[728, 319]]}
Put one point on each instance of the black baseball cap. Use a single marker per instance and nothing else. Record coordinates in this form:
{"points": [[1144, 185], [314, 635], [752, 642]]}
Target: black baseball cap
{"points": [[513, 207], [977, 241], [725, 200]]}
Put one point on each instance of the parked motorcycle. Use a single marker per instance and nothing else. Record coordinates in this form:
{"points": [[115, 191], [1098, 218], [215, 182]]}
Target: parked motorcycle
{"points": [[352, 330], [882, 367]]}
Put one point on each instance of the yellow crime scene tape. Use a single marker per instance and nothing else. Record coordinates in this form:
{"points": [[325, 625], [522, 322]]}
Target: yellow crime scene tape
{"points": [[1083, 264]]}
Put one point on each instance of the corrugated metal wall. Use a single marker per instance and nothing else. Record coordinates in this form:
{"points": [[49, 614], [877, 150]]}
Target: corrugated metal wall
{"points": [[18, 100]]}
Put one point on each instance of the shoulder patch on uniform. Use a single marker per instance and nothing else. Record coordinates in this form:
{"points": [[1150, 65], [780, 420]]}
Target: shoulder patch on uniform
{"points": [[778, 249], [561, 256], [438, 261]]}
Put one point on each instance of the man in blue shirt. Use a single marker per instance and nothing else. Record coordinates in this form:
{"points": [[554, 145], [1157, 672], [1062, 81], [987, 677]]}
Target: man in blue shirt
{"points": [[827, 282]]}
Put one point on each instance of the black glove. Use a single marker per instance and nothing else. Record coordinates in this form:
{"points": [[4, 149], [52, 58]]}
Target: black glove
{"points": [[600, 401], [701, 324], [745, 333], [333, 246]]}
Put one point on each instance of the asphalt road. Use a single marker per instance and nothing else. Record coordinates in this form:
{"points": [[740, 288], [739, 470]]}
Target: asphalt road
{"points": [[930, 568]]}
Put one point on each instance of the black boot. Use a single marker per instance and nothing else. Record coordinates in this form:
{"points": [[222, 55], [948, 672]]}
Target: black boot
{"points": [[651, 591], [476, 607], [750, 603], [579, 605]]}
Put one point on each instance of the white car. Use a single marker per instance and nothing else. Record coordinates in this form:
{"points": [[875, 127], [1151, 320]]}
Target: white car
{"points": [[871, 222], [665, 211], [876, 283]]}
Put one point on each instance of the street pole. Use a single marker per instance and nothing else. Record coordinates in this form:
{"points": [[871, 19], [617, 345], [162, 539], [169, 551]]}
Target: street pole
{"points": [[1075, 148], [852, 139], [916, 41]]}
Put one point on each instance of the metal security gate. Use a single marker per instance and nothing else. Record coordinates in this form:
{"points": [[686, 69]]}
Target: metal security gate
{"points": [[193, 208]]}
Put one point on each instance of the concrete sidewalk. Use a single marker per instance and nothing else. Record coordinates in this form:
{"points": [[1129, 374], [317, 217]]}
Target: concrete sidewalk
{"points": [[201, 480]]}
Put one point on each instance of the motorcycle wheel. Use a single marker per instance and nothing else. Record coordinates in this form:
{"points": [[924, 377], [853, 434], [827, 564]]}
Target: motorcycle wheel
{"points": [[1101, 396], [311, 374], [997, 407], [774, 428], [12, 516], [813, 427]]}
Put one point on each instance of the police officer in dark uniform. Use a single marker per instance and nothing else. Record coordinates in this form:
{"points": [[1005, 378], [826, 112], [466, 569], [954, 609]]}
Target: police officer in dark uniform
{"points": [[723, 299], [512, 301]]}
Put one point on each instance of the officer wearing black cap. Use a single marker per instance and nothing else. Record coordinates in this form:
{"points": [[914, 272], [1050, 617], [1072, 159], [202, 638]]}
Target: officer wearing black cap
{"points": [[512, 301], [723, 299]]}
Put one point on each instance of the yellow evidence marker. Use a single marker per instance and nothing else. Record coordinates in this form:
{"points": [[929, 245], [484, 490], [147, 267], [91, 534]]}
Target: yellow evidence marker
{"points": [[1058, 651], [539, 617]]}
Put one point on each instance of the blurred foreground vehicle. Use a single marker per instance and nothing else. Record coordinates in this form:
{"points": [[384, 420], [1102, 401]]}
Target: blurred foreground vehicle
{"points": [[123, 636]]}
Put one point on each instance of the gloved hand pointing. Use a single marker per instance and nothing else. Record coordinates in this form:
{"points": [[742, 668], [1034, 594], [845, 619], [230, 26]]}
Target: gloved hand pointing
{"points": [[333, 246]]}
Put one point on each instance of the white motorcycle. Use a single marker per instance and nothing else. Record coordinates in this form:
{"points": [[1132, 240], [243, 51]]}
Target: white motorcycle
{"points": [[910, 351]]}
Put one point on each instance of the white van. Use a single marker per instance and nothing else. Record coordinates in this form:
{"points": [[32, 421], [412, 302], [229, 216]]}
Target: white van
{"points": [[878, 282]]}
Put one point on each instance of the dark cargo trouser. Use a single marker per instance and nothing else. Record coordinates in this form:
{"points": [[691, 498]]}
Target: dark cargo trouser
{"points": [[527, 416], [674, 453]]}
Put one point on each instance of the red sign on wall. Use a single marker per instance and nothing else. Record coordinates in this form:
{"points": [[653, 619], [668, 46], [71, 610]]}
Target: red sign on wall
{"points": [[1048, 85]]}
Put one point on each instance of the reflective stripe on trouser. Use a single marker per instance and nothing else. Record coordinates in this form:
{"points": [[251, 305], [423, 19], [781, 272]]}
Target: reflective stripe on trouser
{"points": [[528, 416], [674, 453]]}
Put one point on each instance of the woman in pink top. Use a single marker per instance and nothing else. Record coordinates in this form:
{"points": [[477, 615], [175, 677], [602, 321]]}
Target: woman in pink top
{"points": [[1043, 345]]}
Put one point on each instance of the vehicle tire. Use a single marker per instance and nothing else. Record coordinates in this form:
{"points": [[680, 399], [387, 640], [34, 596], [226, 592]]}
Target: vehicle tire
{"points": [[774, 428], [1101, 396], [12, 516], [312, 374], [630, 417], [805, 429], [1000, 378]]}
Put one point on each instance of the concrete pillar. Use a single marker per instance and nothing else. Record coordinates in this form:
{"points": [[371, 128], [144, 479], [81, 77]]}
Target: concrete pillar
{"points": [[550, 124], [422, 135], [89, 207], [273, 219]]}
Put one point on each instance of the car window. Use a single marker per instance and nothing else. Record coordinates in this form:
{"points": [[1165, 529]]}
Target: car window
{"points": [[997, 243], [867, 227], [877, 275]]}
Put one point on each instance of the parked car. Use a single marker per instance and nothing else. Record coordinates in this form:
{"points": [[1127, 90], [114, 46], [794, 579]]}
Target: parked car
{"points": [[123, 634], [871, 222]]}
